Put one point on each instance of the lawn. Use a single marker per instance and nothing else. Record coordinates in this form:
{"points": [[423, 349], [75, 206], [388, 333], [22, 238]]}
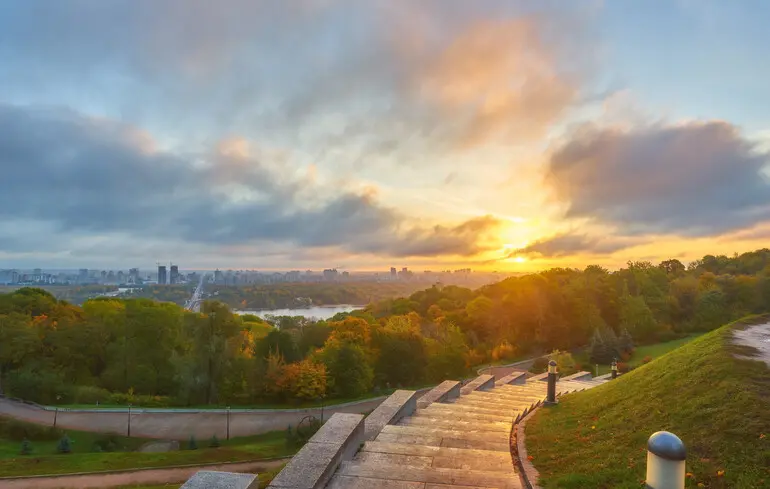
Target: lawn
{"points": [[264, 479], [637, 358], [45, 460], [717, 404]]}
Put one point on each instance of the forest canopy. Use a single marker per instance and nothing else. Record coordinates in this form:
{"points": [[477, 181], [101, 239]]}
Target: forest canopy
{"points": [[156, 353]]}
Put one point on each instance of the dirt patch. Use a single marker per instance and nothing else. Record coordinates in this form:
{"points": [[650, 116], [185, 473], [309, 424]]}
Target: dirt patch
{"points": [[757, 337]]}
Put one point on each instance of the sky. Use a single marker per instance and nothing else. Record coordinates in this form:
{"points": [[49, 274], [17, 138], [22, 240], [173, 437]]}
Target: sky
{"points": [[362, 134]]}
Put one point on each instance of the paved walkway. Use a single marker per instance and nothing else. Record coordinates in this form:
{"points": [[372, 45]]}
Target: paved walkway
{"points": [[179, 425], [757, 336], [148, 476], [446, 445]]}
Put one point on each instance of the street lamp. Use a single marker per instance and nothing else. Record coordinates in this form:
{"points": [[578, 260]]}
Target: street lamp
{"points": [[228, 422], [129, 421]]}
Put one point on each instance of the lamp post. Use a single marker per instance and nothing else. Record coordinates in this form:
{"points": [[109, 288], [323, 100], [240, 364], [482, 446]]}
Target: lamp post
{"points": [[615, 369], [551, 396], [228, 422], [55, 415], [129, 421]]}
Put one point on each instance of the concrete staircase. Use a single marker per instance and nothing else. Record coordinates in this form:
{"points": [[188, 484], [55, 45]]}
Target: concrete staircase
{"points": [[450, 440]]}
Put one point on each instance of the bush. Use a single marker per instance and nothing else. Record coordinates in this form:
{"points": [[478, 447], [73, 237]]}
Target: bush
{"points": [[192, 444], [539, 365], [623, 367], [564, 362], [625, 356], [106, 443], [65, 445], [304, 431], [15, 430], [647, 359], [139, 400], [214, 442], [26, 447], [90, 394]]}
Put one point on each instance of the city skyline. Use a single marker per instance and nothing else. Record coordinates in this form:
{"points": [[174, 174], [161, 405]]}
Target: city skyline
{"points": [[496, 134]]}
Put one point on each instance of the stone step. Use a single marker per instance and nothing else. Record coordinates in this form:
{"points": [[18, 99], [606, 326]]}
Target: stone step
{"points": [[430, 475], [448, 409], [532, 387], [582, 375], [431, 451], [463, 415], [462, 425], [503, 397], [481, 409], [483, 440], [495, 436], [466, 461], [538, 377], [507, 407]]}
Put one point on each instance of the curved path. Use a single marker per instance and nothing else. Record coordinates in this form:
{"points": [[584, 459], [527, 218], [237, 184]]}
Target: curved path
{"points": [[146, 476], [167, 424]]}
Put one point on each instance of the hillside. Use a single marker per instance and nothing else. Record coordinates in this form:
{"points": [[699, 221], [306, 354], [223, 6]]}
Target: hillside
{"points": [[717, 404]]}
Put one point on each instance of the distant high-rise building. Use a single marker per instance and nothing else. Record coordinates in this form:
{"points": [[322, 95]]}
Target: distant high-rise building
{"points": [[83, 275], [162, 278], [174, 274], [219, 277], [330, 274], [393, 272]]}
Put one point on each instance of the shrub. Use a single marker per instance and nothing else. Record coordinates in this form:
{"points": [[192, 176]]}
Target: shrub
{"points": [[15, 430], [625, 356], [305, 429], [26, 447], [90, 394], [214, 442], [65, 445], [106, 443], [623, 367], [539, 365], [192, 444], [564, 362], [647, 359], [503, 351]]}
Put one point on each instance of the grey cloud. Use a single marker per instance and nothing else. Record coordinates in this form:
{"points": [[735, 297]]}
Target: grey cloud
{"points": [[92, 176], [694, 179], [281, 69], [572, 243]]}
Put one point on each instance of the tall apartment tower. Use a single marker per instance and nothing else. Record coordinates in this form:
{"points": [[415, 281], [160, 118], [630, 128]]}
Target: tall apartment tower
{"points": [[162, 278], [174, 276]]}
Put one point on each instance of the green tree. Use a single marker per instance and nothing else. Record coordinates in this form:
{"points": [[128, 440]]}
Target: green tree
{"points": [[347, 364], [26, 447], [64, 445], [636, 316]]}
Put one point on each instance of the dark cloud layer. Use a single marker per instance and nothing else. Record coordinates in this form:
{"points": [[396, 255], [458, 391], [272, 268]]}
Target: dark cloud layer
{"points": [[566, 244], [93, 176], [694, 179]]}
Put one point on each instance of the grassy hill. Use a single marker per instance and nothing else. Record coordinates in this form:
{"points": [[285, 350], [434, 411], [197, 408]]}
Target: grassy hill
{"points": [[717, 404]]}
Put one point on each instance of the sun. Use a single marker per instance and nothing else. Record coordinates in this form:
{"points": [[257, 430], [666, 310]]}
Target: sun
{"points": [[519, 259]]}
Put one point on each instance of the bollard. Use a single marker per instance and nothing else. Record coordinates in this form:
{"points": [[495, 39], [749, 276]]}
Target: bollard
{"points": [[551, 397], [665, 461], [614, 369]]}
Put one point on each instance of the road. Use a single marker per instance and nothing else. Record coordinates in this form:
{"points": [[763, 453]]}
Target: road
{"points": [[145, 476]]}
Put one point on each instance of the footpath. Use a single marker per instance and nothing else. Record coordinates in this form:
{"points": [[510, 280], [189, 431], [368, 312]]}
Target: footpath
{"points": [[143, 476]]}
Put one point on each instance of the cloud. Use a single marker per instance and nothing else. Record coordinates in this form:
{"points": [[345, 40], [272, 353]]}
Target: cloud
{"points": [[690, 179], [382, 77], [86, 176], [572, 244]]}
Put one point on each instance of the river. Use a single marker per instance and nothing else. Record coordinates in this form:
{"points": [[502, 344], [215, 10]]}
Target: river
{"points": [[317, 312]]}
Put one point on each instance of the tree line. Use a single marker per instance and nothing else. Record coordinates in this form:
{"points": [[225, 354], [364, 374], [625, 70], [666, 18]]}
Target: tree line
{"points": [[154, 353]]}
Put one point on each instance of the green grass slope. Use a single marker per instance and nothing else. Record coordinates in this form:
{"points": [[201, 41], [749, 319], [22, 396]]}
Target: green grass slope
{"points": [[717, 404]]}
